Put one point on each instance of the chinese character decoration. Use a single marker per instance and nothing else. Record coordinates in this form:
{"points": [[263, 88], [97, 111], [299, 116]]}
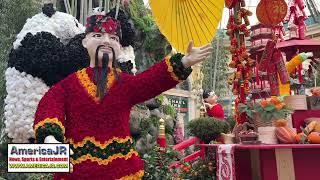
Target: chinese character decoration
{"points": [[271, 12]]}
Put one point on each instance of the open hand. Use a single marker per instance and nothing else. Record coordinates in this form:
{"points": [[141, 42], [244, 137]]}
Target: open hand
{"points": [[196, 55]]}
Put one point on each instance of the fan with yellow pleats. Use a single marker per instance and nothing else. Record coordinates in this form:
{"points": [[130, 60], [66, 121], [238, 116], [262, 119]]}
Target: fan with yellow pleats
{"points": [[181, 21]]}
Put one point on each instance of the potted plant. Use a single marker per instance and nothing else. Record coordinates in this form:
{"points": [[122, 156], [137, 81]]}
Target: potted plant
{"points": [[207, 128], [264, 115], [265, 112]]}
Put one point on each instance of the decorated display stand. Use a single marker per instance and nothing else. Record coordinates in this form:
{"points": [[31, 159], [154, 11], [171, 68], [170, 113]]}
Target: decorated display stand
{"points": [[267, 162], [277, 135]]}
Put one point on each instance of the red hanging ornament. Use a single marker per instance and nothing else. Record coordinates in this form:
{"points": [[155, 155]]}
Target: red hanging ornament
{"points": [[229, 3], [271, 12]]}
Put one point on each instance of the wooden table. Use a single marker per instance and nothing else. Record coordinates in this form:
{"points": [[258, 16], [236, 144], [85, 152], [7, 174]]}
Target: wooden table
{"points": [[276, 162]]}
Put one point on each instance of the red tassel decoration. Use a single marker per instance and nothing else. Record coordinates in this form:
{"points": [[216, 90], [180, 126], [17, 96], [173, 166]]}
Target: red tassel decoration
{"points": [[242, 93], [267, 55], [273, 80], [281, 67]]}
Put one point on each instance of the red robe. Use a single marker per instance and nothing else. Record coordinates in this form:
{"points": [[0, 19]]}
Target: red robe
{"points": [[98, 131], [216, 111]]}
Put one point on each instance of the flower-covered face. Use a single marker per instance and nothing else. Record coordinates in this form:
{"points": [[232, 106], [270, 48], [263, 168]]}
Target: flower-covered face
{"points": [[108, 41]]}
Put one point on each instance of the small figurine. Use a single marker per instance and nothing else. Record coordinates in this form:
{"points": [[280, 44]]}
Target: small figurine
{"points": [[214, 109]]}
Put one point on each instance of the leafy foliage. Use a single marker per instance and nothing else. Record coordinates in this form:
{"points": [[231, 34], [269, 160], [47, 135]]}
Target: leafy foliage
{"points": [[220, 54], [151, 45], [199, 170], [157, 163], [160, 99], [207, 128], [232, 122], [169, 110], [268, 110]]}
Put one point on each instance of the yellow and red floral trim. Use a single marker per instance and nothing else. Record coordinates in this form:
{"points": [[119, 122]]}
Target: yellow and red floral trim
{"points": [[135, 176], [90, 86], [49, 126], [176, 69], [102, 153], [98, 143]]}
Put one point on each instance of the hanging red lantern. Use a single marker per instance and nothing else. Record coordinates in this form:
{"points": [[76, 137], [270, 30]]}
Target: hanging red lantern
{"points": [[271, 12]]}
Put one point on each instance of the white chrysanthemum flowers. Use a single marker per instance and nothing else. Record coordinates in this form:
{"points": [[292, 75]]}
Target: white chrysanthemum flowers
{"points": [[127, 54], [61, 25], [24, 94]]}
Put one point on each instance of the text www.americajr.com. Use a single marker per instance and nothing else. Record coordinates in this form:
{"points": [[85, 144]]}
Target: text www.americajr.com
{"points": [[38, 165]]}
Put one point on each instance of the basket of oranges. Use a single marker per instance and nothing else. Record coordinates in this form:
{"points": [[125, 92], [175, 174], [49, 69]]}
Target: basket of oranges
{"points": [[266, 112]]}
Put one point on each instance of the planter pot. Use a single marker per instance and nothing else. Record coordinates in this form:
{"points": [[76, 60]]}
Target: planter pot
{"points": [[228, 138], [267, 135], [258, 122]]}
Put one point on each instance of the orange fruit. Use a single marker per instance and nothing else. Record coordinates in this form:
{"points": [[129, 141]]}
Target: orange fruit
{"points": [[314, 138], [299, 137], [275, 100], [279, 106], [264, 103], [281, 123]]}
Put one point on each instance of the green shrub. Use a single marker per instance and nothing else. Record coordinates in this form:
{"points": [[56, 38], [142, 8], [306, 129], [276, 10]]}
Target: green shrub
{"points": [[232, 122], [207, 128], [159, 99], [169, 110]]}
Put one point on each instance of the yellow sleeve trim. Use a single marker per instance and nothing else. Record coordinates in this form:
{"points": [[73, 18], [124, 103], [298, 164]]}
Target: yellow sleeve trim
{"points": [[98, 143], [170, 70], [104, 161], [50, 120], [135, 176]]}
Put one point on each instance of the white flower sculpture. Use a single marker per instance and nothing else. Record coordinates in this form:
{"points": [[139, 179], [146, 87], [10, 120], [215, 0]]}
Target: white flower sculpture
{"points": [[25, 91]]}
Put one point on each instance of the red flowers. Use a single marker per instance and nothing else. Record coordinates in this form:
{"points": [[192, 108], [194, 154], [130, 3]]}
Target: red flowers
{"points": [[110, 26], [104, 24], [96, 28]]}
